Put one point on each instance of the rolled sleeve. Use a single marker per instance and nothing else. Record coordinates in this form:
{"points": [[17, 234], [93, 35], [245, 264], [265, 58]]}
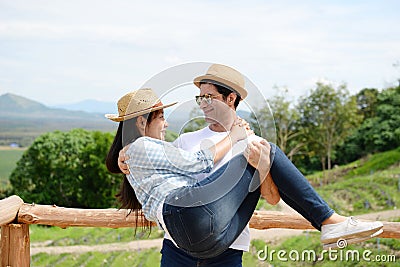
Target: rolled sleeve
{"points": [[149, 153]]}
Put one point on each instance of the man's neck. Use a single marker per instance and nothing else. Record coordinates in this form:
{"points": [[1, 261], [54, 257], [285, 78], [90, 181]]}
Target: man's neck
{"points": [[218, 127]]}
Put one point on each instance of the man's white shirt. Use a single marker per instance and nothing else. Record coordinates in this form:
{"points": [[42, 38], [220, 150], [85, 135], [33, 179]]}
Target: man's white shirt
{"points": [[194, 141]]}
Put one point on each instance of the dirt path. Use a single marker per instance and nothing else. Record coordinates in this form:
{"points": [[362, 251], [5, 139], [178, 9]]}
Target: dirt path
{"points": [[130, 246], [270, 236]]}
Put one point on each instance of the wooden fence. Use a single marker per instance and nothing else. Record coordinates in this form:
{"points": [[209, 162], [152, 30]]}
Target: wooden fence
{"points": [[15, 217]]}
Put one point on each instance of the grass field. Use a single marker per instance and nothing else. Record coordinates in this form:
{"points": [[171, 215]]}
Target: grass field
{"points": [[145, 258], [8, 161], [288, 252], [88, 235], [370, 184]]}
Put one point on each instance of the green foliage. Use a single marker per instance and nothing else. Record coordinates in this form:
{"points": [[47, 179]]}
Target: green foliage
{"points": [[170, 136], [327, 116], [280, 115], [196, 121], [380, 130], [367, 101], [383, 131], [355, 194], [67, 169], [376, 162]]}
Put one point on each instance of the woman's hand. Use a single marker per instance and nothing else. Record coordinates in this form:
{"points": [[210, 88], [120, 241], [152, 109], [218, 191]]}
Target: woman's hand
{"points": [[121, 160], [240, 130]]}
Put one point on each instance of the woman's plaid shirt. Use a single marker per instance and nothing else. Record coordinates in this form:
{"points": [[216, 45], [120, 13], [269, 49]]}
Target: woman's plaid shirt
{"points": [[157, 167]]}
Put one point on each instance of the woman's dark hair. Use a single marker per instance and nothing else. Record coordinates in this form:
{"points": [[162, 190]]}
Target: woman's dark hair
{"points": [[225, 92], [127, 133]]}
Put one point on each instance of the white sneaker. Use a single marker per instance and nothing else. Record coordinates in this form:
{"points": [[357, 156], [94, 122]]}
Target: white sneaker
{"points": [[350, 228], [342, 243]]}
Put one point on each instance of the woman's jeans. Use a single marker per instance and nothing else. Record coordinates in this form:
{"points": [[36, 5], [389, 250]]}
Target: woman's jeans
{"points": [[296, 191], [205, 228]]}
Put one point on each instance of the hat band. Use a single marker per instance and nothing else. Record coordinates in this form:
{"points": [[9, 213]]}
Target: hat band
{"points": [[220, 84], [154, 106]]}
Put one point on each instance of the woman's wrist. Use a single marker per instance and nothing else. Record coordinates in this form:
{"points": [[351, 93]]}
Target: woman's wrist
{"points": [[232, 138]]}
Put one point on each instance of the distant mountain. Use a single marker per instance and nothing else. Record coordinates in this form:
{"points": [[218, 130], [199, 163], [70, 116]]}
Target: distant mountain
{"points": [[91, 105], [14, 103], [22, 119]]}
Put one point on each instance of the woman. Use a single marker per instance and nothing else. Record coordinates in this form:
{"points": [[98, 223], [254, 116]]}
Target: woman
{"points": [[161, 179], [164, 187]]}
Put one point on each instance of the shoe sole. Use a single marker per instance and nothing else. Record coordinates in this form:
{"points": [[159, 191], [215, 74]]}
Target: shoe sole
{"points": [[346, 242], [353, 235]]}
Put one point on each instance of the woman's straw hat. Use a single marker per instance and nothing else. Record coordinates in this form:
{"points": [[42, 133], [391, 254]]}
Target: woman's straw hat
{"points": [[137, 103], [224, 76]]}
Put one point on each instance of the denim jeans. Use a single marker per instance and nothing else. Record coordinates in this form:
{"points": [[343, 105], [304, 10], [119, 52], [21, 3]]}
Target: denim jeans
{"points": [[205, 231], [296, 191], [175, 257]]}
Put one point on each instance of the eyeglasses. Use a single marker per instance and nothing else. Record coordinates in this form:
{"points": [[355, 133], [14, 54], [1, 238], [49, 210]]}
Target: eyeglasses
{"points": [[207, 97]]}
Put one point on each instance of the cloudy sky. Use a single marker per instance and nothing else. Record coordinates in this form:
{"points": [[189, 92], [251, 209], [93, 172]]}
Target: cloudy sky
{"points": [[59, 51]]}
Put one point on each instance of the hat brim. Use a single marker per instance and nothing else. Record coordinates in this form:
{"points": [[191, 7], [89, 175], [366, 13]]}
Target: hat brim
{"points": [[117, 118], [242, 92]]}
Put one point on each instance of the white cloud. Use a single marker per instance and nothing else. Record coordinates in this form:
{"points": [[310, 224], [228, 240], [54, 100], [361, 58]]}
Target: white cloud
{"points": [[102, 46]]}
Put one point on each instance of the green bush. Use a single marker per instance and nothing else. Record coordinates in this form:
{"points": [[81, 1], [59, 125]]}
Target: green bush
{"points": [[67, 169]]}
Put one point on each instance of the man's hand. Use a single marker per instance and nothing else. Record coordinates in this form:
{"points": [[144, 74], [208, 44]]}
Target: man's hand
{"points": [[121, 161], [258, 156]]}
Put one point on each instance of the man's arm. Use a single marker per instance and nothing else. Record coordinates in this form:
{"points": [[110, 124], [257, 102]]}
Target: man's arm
{"points": [[122, 157], [258, 156], [269, 190]]}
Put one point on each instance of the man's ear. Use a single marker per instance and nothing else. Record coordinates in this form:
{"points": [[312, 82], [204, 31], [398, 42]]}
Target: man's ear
{"points": [[231, 98]]}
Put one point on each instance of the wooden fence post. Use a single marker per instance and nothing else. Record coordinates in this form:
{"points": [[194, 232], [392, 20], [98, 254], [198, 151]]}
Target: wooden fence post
{"points": [[9, 208], [15, 245]]}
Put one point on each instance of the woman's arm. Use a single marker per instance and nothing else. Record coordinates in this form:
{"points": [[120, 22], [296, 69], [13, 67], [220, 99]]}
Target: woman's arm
{"points": [[153, 155], [149, 153], [239, 131]]}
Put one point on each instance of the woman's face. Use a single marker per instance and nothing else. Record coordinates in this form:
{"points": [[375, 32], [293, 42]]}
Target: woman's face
{"points": [[157, 127]]}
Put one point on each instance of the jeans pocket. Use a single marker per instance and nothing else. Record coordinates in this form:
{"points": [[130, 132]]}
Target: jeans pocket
{"points": [[197, 223]]}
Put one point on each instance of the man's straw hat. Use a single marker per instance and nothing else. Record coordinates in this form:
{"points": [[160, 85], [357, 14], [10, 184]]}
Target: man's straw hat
{"points": [[224, 76], [137, 103]]}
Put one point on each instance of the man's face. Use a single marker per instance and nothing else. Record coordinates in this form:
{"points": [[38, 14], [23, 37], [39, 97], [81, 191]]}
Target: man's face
{"points": [[217, 111]]}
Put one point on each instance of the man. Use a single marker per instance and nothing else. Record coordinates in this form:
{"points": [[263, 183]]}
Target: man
{"points": [[221, 90]]}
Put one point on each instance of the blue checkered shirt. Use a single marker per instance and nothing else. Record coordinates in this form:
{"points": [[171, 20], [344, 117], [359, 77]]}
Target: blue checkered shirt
{"points": [[157, 167]]}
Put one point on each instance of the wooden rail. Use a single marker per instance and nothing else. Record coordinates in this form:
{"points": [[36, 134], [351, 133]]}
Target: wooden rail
{"points": [[15, 217]]}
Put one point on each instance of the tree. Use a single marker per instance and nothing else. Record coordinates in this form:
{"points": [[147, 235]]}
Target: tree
{"points": [[196, 122], [285, 119], [382, 132], [67, 169], [367, 101], [327, 116], [170, 136]]}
